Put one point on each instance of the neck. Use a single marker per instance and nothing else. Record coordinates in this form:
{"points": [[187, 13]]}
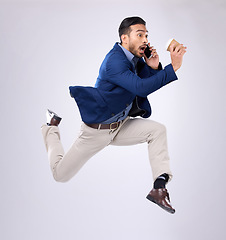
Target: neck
{"points": [[125, 46]]}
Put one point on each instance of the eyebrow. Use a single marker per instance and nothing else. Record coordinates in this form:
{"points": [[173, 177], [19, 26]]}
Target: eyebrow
{"points": [[141, 31]]}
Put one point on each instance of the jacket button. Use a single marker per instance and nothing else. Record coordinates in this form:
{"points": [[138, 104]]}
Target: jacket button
{"points": [[127, 105], [112, 114]]}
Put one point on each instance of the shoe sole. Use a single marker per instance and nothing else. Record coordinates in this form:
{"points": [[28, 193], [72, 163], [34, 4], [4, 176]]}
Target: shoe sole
{"points": [[161, 206], [55, 116]]}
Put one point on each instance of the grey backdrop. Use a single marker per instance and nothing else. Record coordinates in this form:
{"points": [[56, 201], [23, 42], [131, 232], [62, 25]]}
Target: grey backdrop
{"points": [[45, 46]]}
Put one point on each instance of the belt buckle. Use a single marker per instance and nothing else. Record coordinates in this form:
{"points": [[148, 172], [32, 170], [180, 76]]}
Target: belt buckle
{"points": [[112, 128]]}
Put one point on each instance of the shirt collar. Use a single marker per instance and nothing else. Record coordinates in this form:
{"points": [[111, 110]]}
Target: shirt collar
{"points": [[129, 55]]}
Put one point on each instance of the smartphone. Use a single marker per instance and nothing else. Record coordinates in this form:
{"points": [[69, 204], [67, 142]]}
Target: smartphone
{"points": [[147, 52]]}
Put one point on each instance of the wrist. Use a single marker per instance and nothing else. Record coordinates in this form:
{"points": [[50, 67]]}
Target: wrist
{"points": [[175, 68]]}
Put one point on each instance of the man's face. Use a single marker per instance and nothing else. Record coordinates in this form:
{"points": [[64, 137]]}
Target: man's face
{"points": [[136, 41]]}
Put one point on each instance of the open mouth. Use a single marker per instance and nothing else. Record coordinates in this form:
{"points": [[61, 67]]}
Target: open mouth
{"points": [[142, 49]]}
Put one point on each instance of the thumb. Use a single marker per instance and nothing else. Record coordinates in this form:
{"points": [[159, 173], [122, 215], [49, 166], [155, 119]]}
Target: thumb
{"points": [[172, 47]]}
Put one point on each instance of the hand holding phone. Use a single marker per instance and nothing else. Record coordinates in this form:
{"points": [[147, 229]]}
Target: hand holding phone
{"points": [[151, 57]]}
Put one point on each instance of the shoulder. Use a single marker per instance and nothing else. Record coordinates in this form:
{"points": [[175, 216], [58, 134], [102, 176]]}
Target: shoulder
{"points": [[116, 58], [116, 53]]}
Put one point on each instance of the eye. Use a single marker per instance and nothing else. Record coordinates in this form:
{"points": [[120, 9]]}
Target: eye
{"points": [[139, 35]]}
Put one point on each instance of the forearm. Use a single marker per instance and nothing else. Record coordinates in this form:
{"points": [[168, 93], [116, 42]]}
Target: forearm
{"points": [[161, 78], [142, 86]]}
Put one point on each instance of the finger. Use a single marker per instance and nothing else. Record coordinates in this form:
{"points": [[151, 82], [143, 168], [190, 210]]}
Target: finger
{"points": [[153, 51], [182, 50], [179, 48], [172, 47], [155, 54], [183, 53]]}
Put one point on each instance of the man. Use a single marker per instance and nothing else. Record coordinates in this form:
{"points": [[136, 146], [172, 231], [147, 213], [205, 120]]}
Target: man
{"points": [[109, 110]]}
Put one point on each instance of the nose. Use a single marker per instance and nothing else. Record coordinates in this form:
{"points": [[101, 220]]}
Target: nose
{"points": [[145, 40]]}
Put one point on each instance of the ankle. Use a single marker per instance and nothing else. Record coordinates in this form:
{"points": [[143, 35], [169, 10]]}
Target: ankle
{"points": [[161, 181]]}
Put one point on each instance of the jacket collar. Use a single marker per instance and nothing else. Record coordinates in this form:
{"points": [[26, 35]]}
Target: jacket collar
{"points": [[128, 54], [119, 49]]}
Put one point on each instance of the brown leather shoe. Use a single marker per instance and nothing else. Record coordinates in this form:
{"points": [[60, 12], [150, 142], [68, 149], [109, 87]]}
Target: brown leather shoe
{"points": [[52, 118], [161, 198]]}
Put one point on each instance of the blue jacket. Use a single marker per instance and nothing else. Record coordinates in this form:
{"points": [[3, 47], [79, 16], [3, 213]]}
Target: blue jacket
{"points": [[117, 86]]}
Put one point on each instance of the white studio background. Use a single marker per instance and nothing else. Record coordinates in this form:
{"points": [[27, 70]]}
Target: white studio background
{"points": [[46, 46]]}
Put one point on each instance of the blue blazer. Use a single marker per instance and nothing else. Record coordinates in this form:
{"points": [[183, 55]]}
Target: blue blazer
{"points": [[117, 86]]}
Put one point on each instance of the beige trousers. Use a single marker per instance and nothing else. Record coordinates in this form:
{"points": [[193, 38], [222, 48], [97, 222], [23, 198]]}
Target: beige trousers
{"points": [[90, 141]]}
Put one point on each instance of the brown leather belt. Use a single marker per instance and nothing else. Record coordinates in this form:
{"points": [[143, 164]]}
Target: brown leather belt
{"points": [[111, 126]]}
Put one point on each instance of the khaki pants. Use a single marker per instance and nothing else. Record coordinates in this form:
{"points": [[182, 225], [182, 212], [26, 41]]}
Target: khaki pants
{"points": [[90, 141]]}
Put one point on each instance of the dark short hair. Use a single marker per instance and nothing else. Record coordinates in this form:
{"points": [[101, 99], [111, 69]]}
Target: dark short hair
{"points": [[124, 27]]}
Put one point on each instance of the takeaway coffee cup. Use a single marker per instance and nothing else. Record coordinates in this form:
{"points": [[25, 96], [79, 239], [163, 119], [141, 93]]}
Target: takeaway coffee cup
{"points": [[171, 41]]}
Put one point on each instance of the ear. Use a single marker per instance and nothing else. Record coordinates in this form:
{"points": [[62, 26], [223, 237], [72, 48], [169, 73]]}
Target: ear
{"points": [[124, 39]]}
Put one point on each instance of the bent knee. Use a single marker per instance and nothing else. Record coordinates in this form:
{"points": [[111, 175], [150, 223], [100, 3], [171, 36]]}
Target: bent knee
{"points": [[160, 128], [60, 178]]}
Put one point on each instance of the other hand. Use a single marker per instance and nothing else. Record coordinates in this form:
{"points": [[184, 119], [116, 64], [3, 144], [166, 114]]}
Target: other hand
{"points": [[177, 52]]}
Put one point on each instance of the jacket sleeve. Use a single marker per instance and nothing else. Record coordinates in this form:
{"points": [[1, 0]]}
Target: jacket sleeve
{"points": [[119, 72]]}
